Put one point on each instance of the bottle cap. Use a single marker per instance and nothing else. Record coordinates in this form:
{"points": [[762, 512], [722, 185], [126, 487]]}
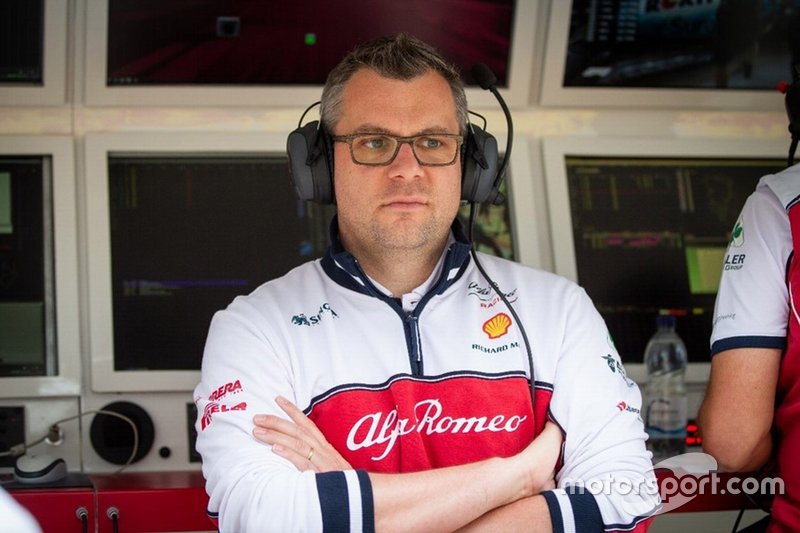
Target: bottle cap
{"points": [[665, 321]]}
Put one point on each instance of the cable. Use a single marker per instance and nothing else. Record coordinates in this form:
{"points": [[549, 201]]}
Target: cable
{"points": [[487, 80], [21, 448], [738, 519], [471, 112], [757, 503], [113, 514], [83, 516], [472, 214], [135, 430], [309, 108], [315, 153]]}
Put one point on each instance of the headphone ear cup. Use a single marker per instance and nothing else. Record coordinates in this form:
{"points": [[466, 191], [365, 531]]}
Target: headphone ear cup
{"points": [[479, 166], [311, 163]]}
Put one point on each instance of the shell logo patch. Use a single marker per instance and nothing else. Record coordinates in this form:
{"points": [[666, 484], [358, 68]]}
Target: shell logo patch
{"points": [[497, 326]]}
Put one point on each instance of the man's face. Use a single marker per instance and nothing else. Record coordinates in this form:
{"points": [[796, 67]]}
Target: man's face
{"points": [[403, 205]]}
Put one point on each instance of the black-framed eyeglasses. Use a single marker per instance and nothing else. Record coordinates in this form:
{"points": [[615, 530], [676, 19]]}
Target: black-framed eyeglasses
{"points": [[378, 149]]}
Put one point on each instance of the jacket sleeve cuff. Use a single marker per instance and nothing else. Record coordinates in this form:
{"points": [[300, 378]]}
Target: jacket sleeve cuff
{"points": [[345, 500], [572, 511]]}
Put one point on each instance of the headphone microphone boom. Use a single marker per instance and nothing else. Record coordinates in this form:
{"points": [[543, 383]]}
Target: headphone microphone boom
{"points": [[487, 81]]}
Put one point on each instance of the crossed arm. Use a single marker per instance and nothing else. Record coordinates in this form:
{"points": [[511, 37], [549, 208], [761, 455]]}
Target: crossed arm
{"points": [[501, 493]]}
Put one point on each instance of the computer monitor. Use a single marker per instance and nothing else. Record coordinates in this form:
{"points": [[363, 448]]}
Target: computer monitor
{"points": [[158, 52], [39, 326], [714, 54], [178, 226], [33, 52], [643, 225]]}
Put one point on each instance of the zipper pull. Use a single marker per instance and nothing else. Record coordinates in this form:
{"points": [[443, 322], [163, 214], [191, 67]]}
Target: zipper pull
{"points": [[418, 344]]}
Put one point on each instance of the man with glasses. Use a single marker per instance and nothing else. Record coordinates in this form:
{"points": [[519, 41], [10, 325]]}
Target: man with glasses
{"points": [[418, 408]]}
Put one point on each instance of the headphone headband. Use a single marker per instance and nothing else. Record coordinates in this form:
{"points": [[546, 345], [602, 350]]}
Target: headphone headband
{"points": [[311, 161]]}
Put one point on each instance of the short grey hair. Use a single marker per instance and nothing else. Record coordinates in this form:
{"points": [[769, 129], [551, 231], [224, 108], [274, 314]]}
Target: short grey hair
{"points": [[401, 57]]}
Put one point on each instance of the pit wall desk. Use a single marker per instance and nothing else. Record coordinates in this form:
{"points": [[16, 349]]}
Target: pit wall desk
{"points": [[152, 502]]}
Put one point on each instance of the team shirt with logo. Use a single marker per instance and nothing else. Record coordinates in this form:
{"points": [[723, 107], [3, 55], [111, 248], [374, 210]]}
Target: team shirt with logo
{"points": [[758, 307], [436, 378]]}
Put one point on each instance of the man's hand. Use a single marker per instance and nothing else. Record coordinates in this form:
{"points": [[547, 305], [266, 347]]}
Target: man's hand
{"points": [[298, 441]]}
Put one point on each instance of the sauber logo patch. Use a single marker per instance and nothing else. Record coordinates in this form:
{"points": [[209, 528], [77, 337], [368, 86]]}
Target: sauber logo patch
{"points": [[313, 320], [214, 405], [737, 235], [734, 261], [497, 326]]}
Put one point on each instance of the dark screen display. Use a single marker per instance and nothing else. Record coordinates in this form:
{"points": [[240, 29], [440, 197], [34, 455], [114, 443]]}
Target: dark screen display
{"points": [[251, 42], [25, 268], [737, 44], [188, 234], [651, 235], [492, 231], [21, 41]]}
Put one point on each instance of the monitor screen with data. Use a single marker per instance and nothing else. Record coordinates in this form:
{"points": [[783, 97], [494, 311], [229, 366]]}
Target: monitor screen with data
{"points": [[21, 42], [27, 315], [649, 236], [190, 233], [733, 44], [492, 231]]}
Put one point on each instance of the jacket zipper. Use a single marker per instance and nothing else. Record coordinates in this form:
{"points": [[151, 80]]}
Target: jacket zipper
{"points": [[414, 343]]}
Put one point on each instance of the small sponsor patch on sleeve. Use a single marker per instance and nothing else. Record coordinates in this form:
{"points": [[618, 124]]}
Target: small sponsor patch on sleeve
{"points": [[217, 405]]}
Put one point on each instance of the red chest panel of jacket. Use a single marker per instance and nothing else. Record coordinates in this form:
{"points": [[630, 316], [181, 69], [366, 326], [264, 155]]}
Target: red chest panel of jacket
{"points": [[410, 423]]}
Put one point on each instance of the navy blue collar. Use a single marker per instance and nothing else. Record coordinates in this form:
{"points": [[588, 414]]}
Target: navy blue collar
{"points": [[343, 268]]}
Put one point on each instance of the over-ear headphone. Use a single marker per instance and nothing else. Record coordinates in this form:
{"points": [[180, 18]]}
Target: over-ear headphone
{"points": [[311, 163], [310, 152]]}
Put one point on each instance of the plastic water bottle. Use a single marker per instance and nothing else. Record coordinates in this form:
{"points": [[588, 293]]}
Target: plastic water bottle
{"points": [[665, 394]]}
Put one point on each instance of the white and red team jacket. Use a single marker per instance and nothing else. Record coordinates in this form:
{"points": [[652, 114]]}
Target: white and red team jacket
{"points": [[437, 378], [758, 306]]}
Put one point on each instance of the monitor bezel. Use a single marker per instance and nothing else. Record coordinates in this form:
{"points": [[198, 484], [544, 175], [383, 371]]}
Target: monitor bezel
{"points": [[54, 69], [67, 381], [518, 93], [556, 149], [553, 93]]}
